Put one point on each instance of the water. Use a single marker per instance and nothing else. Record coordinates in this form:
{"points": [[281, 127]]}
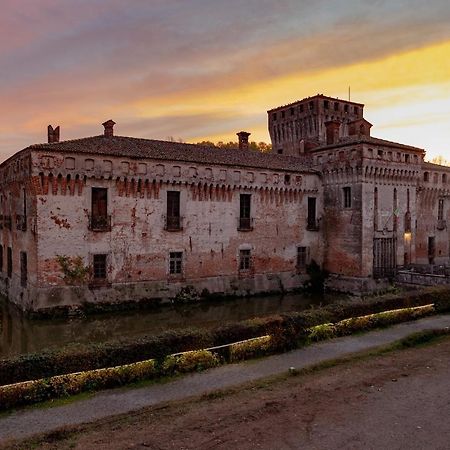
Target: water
{"points": [[20, 335]]}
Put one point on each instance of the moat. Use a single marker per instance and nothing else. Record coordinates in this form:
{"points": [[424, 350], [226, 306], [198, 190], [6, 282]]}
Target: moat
{"points": [[20, 335]]}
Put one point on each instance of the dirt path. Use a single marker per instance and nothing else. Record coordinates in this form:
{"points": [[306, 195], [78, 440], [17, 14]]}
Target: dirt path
{"points": [[27, 423], [397, 401]]}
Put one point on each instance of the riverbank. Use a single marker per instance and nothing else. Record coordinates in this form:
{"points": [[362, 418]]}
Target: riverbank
{"points": [[26, 423]]}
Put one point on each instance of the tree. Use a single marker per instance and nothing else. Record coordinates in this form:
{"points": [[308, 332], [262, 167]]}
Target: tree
{"points": [[258, 146], [440, 160]]}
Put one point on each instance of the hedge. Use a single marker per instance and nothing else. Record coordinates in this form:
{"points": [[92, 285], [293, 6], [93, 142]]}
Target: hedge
{"points": [[64, 385], [286, 331]]}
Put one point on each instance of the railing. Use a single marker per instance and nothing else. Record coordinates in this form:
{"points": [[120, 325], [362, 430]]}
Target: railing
{"points": [[173, 223], [245, 224], [7, 222], [21, 222], [441, 224], [99, 223], [312, 224]]}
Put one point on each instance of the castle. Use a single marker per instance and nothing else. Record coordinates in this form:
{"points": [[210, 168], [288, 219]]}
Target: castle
{"points": [[109, 219]]}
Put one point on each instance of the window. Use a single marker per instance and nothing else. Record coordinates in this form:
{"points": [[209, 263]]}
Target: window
{"points": [[426, 176], [441, 209], [175, 263], [336, 106], [407, 158], [283, 114], [1, 258], [21, 219], [347, 197], [326, 104], [244, 259], [311, 105], [302, 257], [311, 220], [9, 262], [301, 108], [99, 218], [375, 209], [356, 110], [245, 221], [23, 269], [346, 108], [280, 151], [99, 267], [173, 219], [444, 178], [395, 210], [274, 116], [292, 111]]}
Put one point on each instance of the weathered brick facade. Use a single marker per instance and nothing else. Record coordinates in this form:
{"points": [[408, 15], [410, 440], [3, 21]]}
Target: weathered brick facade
{"points": [[106, 205], [112, 219]]}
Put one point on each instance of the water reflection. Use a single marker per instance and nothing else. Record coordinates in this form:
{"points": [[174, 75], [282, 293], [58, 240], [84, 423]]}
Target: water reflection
{"points": [[19, 335]]}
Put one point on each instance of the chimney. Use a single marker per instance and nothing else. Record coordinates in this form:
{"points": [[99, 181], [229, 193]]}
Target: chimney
{"points": [[109, 128], [243, 140], [52, 134], [332, 127], [359, 127]]}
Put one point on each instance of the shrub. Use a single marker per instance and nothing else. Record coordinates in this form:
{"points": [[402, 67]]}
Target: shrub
{"points": [[251, 349], [71, 384], [287, 331], [322, 332], [197, 360]]}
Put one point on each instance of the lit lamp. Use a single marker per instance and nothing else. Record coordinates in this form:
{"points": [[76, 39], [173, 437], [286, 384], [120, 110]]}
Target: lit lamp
{"points": [[407, 236]]}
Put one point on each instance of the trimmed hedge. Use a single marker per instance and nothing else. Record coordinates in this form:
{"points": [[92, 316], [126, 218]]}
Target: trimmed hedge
{"points": [[286, 330], [364, 323], [64, 385]]}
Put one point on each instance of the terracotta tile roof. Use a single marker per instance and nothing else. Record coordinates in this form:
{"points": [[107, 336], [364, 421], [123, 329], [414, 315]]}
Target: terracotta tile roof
{"points": [[313, 97], [433, 166], [352, 140], [136, 148]]}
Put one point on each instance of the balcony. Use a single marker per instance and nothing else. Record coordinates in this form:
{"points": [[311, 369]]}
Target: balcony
{"points": [[21, 222], [173, 223], [245, 224], [441, 224], [7, 222], [99, 223], [312, 224]]}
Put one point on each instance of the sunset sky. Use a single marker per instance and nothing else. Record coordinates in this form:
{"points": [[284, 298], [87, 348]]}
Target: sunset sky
{"points": [[205, 69]]}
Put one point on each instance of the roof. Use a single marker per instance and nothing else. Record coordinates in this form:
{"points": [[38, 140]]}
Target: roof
{"points": [[352, 140], [432, 166], [334, 99], [136, 148]]}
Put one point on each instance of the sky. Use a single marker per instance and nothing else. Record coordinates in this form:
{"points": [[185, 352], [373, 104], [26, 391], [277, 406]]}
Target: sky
{"points": [[204, 69]]}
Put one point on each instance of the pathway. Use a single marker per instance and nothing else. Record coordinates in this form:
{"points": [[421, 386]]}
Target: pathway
{"points": [[26, 423]]}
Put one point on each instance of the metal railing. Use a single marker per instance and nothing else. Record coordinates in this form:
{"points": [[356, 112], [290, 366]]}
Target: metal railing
{"points": [[21, 222], [245, 223], [312, 224], [173, 223], [99, 223], [441, 224]]}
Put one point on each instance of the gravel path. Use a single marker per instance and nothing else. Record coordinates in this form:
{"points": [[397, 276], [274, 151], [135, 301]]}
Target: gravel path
{"points": [[26, 423]]}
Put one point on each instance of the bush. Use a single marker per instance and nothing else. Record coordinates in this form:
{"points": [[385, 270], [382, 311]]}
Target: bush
{"points": [[193, 361], [251, 348], [322, 332], [287, 331], [72, 384]]}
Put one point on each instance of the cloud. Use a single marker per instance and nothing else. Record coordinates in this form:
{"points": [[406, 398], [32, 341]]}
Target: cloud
{"points": [[79, 62]]}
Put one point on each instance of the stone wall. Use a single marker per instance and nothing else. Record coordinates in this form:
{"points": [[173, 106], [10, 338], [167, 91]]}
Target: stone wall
{"points": [[138, 245]]}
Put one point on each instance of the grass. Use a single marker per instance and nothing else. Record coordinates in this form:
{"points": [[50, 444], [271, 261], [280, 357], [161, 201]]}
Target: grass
{"points": [[68, 436]]}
